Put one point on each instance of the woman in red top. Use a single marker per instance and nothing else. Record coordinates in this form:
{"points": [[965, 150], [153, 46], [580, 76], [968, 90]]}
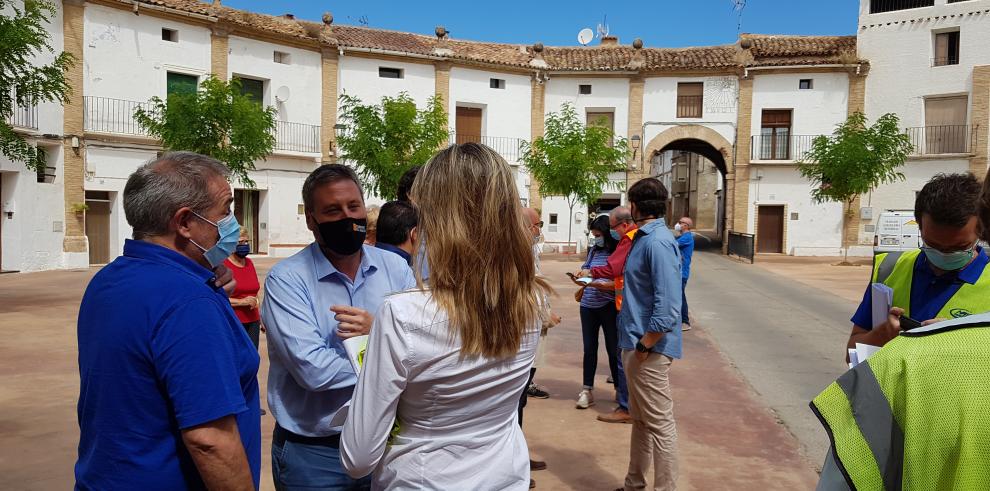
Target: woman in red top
{"points": [[244, 299]]}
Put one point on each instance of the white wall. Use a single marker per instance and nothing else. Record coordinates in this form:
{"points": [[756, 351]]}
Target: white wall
{"points": [[109, 168], [720, 105], [280, 182], [250, 58], [814, 112], [505, 112], [358, 77], [818, 229], [126, 58]]}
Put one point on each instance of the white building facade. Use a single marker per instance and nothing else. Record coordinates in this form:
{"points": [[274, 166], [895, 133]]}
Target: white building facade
{"points": [[750, 109]]}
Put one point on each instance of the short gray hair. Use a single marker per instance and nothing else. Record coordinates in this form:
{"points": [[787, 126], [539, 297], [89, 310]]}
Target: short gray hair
{"points": [[158, 189]]}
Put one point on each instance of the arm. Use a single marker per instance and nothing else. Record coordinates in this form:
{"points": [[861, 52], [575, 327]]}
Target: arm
{"points": [[608, 286], [616, 262], [216, 449], [665, 268], [294, 336], [376, 397], [587, 261]]}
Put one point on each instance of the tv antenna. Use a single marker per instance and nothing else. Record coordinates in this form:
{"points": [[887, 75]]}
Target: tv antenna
{"points": [[586, 36], [603, 27], [738, 6]]}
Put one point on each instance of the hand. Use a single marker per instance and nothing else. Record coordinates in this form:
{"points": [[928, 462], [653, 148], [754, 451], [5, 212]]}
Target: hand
{"points": [[224, 279], [252, 303], [933, 321], [642, 356], [884, 333], [584, 273], [554, 319], [352, 321]]}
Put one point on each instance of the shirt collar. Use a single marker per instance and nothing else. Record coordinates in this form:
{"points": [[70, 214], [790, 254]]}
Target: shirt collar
{"points": [[391, 248], [325, 269], [650, 227], [149, 251], [970, 274]]}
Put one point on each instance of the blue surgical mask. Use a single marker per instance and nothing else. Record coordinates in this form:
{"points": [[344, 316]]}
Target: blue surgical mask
{"points": [[243, 250], [230, 233], [599, 242], [949, 261], [615, 234]]}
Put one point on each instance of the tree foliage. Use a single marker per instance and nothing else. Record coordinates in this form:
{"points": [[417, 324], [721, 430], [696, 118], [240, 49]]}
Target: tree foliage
{"points": [[856, 159], [574, 160], [23, 83], [387, 139], [217, 120]]}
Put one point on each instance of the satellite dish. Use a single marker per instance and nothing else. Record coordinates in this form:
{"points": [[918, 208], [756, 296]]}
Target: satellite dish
{"points": [[282, 94], [586, 36]]}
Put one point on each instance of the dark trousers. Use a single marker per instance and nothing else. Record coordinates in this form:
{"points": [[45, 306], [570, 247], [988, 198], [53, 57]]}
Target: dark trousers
{"points": [[254, 331], [591, 321], [684, 306], [525, 396]]}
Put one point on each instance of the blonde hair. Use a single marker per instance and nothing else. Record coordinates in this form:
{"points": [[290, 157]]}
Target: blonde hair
{"points": [[469, 203], [371, 228]]}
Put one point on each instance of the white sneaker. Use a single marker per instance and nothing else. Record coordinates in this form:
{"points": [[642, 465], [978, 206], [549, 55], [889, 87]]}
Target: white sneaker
{"points": [[585, 399], [685, 327]]}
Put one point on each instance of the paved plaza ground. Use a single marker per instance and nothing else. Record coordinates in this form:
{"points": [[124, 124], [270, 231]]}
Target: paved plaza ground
{"points": [[740, 398]]}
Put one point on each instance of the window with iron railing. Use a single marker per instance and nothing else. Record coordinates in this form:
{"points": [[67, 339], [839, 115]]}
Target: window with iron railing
{"points": [[881, 6], [690, 100], [775, 134]]}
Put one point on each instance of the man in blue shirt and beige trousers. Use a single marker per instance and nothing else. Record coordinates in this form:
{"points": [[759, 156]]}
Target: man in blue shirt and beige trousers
{"points": [[650, 338]]}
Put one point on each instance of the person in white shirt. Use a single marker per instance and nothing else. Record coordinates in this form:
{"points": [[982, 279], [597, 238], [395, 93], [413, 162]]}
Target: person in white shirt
{"points": [[447, 364]]}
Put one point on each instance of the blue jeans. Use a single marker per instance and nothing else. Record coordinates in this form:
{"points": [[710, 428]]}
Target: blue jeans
{"points": [[299, 467], [621, 388], [591, 320], [684, 307]]}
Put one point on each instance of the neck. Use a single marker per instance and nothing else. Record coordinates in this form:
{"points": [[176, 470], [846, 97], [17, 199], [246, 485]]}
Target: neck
{"points": [[171, 242], [408, 247], [238, 260], [348, 265]]}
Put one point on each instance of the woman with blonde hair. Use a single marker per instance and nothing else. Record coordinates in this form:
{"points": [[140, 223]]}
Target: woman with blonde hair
{"points": [[448, 362]]}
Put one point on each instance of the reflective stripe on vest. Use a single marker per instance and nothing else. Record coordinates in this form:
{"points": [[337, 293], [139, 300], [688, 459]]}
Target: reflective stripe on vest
{"points": [[896, 270]]}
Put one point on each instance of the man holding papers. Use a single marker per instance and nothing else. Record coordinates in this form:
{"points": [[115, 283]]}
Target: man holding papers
{"points": [[947, 278]]}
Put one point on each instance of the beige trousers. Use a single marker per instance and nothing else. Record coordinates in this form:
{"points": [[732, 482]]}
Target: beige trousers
{"points": [[654, 434]]}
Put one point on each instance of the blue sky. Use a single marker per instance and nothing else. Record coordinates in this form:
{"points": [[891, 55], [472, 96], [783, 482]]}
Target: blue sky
{"points": [[661, 23]]}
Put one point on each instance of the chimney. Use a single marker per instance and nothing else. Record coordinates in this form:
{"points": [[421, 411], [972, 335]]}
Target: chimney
{"points": [[610, 41]]}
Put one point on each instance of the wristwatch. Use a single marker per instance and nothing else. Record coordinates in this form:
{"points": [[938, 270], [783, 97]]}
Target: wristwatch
{"points": [[642, 347]]}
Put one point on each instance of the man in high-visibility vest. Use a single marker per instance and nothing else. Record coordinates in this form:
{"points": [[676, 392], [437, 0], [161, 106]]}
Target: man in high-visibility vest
{"points": [[913, 415], [947, 278]]}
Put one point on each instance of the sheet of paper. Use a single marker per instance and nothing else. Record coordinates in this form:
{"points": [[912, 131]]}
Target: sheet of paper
{"points": [[865, 351], [883, 298], [853, 360], [584, 281]]}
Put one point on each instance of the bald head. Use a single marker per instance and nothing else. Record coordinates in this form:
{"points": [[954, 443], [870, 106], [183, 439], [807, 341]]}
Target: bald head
{"points": [[686, 223], [620, 219]]}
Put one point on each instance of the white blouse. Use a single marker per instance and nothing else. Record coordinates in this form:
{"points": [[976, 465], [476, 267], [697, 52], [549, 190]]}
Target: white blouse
{"points": [[458, 417]]}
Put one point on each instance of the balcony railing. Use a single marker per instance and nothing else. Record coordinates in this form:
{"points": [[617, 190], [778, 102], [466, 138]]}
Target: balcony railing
{"points": [[940, 140], [781, 147], [506, 146], [24, 117], [297, 137], [690, 106], [116, 116]]}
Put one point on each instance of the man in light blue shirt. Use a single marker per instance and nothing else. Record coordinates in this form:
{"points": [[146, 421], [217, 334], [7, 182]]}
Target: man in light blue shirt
{"points": [[315, 299], [650, 337]]}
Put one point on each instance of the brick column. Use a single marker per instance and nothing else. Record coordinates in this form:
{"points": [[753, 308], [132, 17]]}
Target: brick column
{"points": [[852, 222], [537, 115], [980, 120], [638, 165], [219, 50], [738, 178], [442, 81], [75, 240], [328, 111]]}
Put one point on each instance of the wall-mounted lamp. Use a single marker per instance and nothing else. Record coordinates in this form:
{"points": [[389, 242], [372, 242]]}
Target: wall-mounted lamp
{"points": [[636, 140]]}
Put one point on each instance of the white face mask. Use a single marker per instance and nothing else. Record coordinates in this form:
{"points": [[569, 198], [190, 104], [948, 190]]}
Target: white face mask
{"points": [[678, 228]]}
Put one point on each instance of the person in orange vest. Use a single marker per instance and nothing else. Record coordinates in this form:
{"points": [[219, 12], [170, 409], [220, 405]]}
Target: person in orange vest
{"points": [[623, 228]]}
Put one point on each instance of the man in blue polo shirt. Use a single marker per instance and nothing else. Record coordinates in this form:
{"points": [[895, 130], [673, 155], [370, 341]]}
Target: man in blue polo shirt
{"points": [[946, 278], [328, 292], [169, 390]]}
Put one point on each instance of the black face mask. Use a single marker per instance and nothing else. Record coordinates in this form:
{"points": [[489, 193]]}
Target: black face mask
{"points": [[344, 236]]}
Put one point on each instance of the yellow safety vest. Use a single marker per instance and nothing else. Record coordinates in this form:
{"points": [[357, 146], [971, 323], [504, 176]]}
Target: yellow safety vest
{"points": [[896, 270]]}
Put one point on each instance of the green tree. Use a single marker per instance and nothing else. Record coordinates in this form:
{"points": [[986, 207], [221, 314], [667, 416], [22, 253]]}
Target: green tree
{"points": [[387, 139], [854, 160], [216, 120], [24, 36], [574, 160]]}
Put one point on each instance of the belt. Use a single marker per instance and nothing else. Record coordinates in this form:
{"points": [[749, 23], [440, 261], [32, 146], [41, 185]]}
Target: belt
{"points": [[283, 435]]}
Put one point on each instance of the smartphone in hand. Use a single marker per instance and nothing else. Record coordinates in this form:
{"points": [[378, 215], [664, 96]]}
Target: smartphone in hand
{"points": [[908, 323]]}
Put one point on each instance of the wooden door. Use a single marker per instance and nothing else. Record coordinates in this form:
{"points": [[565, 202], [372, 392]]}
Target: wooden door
{"points": [[770, 230], [468, 125], [98, 226], [945, 125]]}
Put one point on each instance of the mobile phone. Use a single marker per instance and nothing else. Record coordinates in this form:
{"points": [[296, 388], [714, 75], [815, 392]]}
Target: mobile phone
{"points": [[908, 323], [571, 276]]}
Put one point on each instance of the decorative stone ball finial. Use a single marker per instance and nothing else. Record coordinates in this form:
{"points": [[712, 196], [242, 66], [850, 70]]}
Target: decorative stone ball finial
{"points": [[746, 43], [441, 32], [327, 18], [638, 43], [538, 47]]}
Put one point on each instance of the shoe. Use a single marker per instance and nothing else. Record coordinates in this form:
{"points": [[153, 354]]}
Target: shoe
{"points": [[618, 416], [585, 399], [532, 484], [536, 392], [537, 465], [609, 380], [685, 327]]}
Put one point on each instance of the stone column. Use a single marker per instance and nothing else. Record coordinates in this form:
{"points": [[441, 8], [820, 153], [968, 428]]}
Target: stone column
{"points": [[537, 117], [980, 120], [738, 177], [442, 84], [639, 166], [75, 240], [852, 222], [328, 112], [219, 51]]}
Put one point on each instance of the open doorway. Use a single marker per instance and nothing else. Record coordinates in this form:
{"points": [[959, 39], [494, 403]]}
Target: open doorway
{"points": [[696, 183], [98, 226], [246, 204]]}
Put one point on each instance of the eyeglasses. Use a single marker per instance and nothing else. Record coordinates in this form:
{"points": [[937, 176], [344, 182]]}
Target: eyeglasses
{"points": [[538, 224]]}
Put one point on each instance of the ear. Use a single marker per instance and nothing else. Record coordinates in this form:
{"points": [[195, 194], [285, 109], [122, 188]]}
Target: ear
{"points": [[182, 221], [413, 235], [310, 222]]}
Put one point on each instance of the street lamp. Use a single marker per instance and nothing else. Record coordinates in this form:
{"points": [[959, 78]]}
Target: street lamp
{"points": [[636, 141]]}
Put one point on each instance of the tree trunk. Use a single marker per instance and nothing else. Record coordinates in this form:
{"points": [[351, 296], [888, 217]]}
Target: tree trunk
{"points": [[570, 225]]}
